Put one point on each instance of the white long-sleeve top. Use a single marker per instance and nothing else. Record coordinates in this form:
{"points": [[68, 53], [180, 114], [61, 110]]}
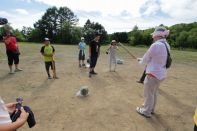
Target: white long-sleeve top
{"points": [[155, 58]]}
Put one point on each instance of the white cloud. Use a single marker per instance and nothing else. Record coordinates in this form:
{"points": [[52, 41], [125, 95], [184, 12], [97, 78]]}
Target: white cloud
{"points": [[18, 20], [22, 11], [116, 15], [181, 9]]}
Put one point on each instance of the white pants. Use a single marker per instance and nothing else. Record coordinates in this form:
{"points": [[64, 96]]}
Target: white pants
{"points": [[151, 85], [112, 60]]}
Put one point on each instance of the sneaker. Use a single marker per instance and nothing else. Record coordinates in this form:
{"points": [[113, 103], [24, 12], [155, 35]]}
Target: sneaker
{"points": [[140, 110], [18, 69], [79, 65], [11, 72], [83, 65], [152, 110], [141, 82], [94, 73], [49, 77]]}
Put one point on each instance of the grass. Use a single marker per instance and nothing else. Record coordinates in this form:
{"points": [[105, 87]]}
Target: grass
{"points": [[179, 57]]}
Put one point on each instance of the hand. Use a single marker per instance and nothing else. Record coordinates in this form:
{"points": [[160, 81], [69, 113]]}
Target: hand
{"points": [[11, 107], [24, 115]]}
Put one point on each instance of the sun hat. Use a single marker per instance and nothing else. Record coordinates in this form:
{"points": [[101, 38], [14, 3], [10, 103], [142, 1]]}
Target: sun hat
{"points": [[160, 31]]}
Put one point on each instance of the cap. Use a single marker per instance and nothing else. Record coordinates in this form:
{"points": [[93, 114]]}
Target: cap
{"points": [[46, 39], [82, 38]]}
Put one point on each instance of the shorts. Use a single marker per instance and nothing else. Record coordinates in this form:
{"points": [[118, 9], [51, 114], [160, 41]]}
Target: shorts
{"points": [[93, 61], [12, 57], [81, 55], [48, 65]]}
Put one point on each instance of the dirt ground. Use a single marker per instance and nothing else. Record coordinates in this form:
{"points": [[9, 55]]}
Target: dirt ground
{"points": [[113, 95]]}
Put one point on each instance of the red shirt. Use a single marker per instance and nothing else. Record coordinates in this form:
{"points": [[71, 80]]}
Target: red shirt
{"points": [[12, 46]]}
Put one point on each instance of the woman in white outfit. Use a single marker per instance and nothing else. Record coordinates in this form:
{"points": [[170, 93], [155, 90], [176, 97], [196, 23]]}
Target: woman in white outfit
{"points": [[112, 55]]}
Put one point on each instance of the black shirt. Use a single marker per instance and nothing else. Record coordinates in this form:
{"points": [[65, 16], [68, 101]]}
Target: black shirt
{"points": [[95, 48]]}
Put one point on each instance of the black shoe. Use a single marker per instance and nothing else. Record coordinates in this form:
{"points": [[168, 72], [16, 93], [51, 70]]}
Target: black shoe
{"points": [[83, 65], [79, 65], [94, 73], [141, 82]]}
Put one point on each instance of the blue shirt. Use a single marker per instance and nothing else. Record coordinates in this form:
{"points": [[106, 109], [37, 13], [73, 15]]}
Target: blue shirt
{"points": [[82, 45]]}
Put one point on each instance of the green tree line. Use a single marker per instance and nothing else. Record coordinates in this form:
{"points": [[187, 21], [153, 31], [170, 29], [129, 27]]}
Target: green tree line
{"points": [[60, 25]]}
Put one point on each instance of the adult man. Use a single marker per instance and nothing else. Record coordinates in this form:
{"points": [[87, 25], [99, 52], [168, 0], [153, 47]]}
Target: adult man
{"points": [[82, 46], [94, 52], [12, 51], [155, 58], [48, 52]]}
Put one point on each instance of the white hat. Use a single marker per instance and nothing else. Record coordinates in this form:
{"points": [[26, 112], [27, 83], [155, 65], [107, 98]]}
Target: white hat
{"points": [[160, 31], [82, 38], [113, 41], [46, 39]]}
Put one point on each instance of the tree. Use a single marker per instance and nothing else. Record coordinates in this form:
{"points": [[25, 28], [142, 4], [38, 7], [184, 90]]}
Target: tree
{"points": [[91, 28], [54, 23], [26, 31], [120, 37]]}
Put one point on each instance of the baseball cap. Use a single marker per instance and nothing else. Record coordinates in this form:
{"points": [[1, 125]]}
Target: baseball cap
{"points": [[46, 39], [82, 38]]}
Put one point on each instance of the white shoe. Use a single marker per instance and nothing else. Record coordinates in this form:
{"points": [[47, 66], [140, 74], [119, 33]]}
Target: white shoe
{"points": [[18, 69], [140, 110]]}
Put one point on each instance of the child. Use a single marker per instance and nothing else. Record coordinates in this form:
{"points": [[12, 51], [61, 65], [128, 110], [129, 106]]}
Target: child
{"points": [[112, 54], [82, 46], [48, 52], [5, 122]]}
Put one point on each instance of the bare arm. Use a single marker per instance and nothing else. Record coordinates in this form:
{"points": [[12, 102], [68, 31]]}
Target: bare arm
{"points": [[15, 125]]}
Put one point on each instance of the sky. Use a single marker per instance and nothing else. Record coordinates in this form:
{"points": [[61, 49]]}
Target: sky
{"points": [[114, 15]]}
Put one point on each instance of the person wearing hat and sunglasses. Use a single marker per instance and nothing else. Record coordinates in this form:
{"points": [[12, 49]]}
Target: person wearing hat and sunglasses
{"points": [[155, 59], [112, 54], [82, 46], [48, 52]]}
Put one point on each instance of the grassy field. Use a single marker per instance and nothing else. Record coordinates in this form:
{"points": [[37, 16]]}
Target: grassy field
{"points": [[113, 95], [179, 57]]}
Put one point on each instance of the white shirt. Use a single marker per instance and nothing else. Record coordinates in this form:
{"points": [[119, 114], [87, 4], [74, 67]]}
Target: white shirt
{"points": [[4, 115], [155, 58]]}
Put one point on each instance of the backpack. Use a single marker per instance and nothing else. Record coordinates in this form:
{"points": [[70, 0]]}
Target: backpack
{"points": [[169, 59]]}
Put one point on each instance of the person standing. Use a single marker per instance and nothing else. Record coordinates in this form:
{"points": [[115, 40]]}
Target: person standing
{"points": [[94, 52], [112, 54], [12, 51], [82, 46], [48, 52], [155, 58]]}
